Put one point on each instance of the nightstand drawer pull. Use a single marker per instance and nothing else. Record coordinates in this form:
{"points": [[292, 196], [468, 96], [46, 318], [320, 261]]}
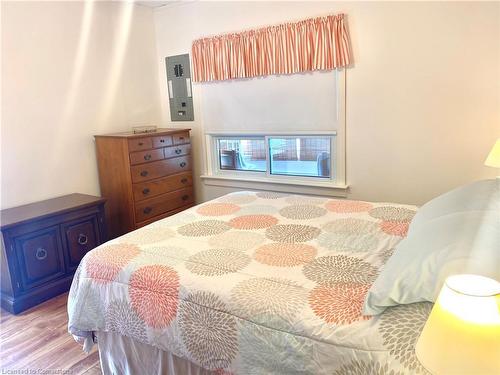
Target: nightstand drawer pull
{"points": [[145, 191], [41, 253], [184, 180], [183, 164], [185, 197], [147, 210], [147, 157], [178, 151], [144, 173], [82, 239]]}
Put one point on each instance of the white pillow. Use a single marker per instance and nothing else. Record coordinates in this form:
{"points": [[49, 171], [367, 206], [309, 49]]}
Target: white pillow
{"points": [[458, 232]]}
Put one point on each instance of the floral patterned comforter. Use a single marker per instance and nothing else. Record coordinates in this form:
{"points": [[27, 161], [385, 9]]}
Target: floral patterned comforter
{"points": [[255, 283]]}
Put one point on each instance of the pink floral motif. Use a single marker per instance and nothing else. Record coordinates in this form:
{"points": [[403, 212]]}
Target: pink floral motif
{"points": [[105, 263], [218, 209], [154, 292], [394, 228], [346, 206], [339, 303]]}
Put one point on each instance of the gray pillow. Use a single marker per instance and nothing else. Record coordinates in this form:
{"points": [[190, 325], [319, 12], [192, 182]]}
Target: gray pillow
{"points": [[458, 232]]}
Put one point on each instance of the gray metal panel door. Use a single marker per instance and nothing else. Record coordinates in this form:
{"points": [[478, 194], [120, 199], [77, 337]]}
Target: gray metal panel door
{"points": [[179, 87]]}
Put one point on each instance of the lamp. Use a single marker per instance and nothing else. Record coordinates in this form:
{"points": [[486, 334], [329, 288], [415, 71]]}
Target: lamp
{"points": [[462, 333], [493, 159]]}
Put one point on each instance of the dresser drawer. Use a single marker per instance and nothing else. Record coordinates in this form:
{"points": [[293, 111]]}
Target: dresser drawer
{"points": [[145, 190], [80, 237], [162, 141], [180, 138], [40, 257], [146, 156], [139, 144], [161, 168], [149, 208], [180, 150]]}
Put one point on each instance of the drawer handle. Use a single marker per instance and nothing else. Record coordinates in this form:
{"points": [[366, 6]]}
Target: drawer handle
{"points": [[183, 164], [147, 157], [82, 239], [145, 191], [184, 180], [41, 253], [140, 143], [178, 151], [162, 141], [147, 210], [144, 173], [185, 197], [181, 138]]}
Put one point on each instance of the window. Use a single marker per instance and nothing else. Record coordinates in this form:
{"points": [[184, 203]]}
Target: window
{"points": [[300, 156], [242, 154], [297, 157]]}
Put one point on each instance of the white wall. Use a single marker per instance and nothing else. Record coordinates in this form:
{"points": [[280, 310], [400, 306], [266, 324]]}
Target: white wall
{"points": [[70, 71], [423, 97]]}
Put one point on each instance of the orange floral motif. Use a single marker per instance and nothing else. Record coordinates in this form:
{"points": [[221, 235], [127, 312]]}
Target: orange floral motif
{"points": [[339, 303], [218, 209], [285, 254], [154, 292], [395, 228], [253, 221], [346, 206], [104, 264]]}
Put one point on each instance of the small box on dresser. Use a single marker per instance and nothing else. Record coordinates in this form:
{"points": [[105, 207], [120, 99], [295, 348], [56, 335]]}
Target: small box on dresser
{"points": [[144, 176], [42, 245]]}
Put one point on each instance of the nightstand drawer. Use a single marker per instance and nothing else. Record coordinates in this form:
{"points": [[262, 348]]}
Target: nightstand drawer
{"points": [[80, 237], [146, 156], [40, 257], [161, 168], [140, 144], [145, 190], [149, 208]]}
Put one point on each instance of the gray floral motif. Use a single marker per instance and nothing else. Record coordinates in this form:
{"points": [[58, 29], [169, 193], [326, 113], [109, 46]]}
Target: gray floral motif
{"points": [[400, 327], [208, 331], [270, 195], [292, 233], [204, 228], [340, 268], [348, 242], [120, 318], [365, 368], [390, 213], [302, 212], [258, 345], [267, 296], [216, 262]]}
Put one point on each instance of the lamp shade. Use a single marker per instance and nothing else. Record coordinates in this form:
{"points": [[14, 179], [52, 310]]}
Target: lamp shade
{"points": [[462, 334], [493, 159]]}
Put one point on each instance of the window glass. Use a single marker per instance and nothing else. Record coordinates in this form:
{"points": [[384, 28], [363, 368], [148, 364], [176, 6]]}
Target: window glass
{"points": [[245, 154], [300, 156]]}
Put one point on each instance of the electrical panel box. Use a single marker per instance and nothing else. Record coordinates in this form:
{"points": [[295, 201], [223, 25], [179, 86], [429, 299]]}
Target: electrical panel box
{"points": [[179, 87]]}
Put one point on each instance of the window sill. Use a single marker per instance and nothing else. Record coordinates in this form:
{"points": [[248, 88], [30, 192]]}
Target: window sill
{"points": [[276, 184]]}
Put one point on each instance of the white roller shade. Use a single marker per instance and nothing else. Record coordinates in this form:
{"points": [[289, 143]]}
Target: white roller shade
{"points": [[298, 102]]}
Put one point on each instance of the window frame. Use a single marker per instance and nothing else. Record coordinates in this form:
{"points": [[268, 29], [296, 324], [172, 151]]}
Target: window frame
{"points": [[335, 186]]}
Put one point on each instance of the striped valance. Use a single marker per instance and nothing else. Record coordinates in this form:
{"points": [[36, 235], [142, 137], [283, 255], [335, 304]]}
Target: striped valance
{"points": [[313, 44]]}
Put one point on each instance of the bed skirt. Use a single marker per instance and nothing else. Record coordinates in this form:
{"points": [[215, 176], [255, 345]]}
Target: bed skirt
{"points": [[125, 356]]}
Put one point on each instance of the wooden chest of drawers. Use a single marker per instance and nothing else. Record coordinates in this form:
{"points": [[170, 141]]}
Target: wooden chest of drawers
{"points": [[43, 244], [144, 177]]}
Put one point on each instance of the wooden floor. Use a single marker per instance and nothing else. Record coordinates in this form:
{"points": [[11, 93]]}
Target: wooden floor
{"points": [[37, 341]]}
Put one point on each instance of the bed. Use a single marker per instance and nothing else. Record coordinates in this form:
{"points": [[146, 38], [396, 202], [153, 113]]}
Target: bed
{"points": [[249, 283]]}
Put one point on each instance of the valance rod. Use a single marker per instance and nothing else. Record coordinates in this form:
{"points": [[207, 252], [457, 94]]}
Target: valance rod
{"points": [[313, 44]]}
